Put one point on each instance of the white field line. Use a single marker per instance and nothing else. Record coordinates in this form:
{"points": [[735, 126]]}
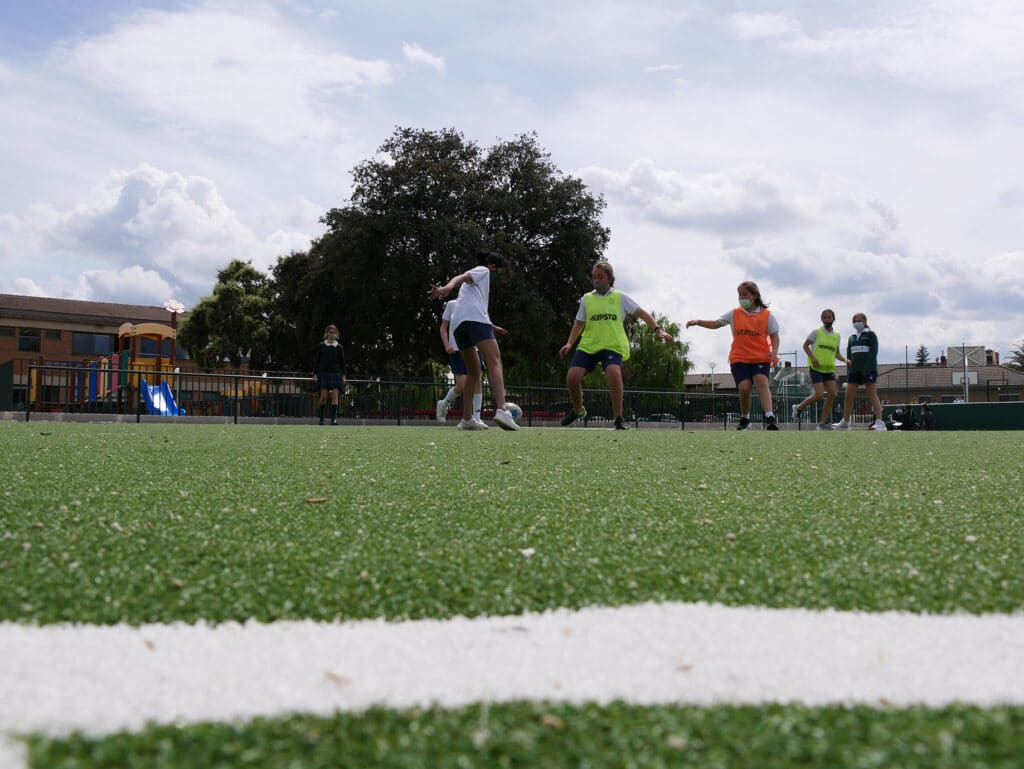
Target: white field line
{"points": [[100, 679]]}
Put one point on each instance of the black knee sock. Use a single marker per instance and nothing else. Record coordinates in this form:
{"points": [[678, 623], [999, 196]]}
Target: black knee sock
{"points": [[334, 411]]}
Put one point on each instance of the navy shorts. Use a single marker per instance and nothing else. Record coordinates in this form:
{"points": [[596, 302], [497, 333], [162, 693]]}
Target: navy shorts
{"points": [[458, 364], [589, 360], [741, 371], [470, 333], [330, 380], [862, 377], [819, 376]]}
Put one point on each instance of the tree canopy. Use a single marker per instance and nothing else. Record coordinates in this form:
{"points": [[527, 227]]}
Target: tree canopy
{"points": [[232, 325], [418, 213]]}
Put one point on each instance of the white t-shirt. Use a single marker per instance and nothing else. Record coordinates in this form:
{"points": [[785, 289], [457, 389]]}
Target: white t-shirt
{"points": [[473, 298], [629, 307], [773, 324], [446, 314]]}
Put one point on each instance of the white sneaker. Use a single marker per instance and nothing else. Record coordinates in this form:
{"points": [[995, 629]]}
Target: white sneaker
{"points": [[470, 424], [796, 412], [503, 419], [825, 426], [842, 425], [879, 425], [442, 410]]}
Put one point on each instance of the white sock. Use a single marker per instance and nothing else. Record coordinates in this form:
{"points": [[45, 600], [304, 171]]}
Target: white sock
{"points": [[769, 414], [450, 396], [478, 402]]}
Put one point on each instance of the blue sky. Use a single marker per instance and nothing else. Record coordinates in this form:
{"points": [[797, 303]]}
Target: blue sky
{"points": [[864, 156]]}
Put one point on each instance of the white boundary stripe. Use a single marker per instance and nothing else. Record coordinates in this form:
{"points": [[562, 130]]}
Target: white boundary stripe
{"points": [[101, 679]]}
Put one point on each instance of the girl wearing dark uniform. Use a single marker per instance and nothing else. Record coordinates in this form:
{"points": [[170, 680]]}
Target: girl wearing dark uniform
{"points": [[330, 371]]}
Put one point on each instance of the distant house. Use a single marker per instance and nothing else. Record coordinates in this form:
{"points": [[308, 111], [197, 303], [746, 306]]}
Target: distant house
{"points": [[42, 329]]}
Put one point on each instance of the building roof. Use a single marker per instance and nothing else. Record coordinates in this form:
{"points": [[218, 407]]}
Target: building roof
{"points": [[43, 308]]}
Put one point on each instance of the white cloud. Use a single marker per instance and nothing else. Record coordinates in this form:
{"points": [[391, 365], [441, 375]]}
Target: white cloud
{"points": [[143, 231], [416, 54], [131, 285], [741, 199], [762, 26], [941, 44], [212, 69]]}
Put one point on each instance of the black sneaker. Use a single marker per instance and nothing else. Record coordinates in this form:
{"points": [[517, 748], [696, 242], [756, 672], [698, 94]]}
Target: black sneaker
{"points": [[334, 422], [770, 423], [572, 416], [744, 424], [620, 425], [321, 420]]}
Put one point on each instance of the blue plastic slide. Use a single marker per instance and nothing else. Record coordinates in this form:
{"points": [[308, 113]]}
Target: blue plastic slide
{"points": [[160, 400]]}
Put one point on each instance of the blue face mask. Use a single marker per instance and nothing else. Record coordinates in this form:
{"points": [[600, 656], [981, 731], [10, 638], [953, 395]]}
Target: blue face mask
{"points": [[859, 326]]}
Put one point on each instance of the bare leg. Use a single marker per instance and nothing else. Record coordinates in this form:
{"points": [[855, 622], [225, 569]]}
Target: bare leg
{"points": [[614, 374], [764, 392], [492, 357], [872, 390], [574, 383], [830, 398], [851, 396], [471, 382], [744, 391], [817, 395]]}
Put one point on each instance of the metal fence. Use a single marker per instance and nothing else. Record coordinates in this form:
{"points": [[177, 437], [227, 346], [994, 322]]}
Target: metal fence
{"points": [[88, 389]]}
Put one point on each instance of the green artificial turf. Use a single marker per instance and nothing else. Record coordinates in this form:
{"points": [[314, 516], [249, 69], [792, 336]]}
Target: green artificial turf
{"points": [[538, 735], [163, 522]]}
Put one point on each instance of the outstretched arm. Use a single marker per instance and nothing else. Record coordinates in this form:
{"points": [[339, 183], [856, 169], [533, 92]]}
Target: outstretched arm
{"points": [[647, 318], [438, 292], [712, 324]]}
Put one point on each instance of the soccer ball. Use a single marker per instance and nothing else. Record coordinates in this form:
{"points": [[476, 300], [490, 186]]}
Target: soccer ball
{"points": [[515, 411]]}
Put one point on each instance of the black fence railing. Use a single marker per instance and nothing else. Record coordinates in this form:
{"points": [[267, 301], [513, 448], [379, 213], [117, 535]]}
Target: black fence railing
{"points": [[88, 389]]}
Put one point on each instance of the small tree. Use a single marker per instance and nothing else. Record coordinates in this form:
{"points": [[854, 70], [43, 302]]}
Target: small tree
{"points": [[652, 362], [233, 324], [1017, 358], [921, 360]]}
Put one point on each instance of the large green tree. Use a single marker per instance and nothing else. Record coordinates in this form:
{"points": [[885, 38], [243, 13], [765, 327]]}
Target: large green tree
{"points": [[233, 324], [418, 213]]}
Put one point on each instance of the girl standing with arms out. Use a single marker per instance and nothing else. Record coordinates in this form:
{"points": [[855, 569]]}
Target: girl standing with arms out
{"points": [[330, 371], [754, 351], [473, 331], [459, 371], [602, 339], [862, 352], [822, 349]]}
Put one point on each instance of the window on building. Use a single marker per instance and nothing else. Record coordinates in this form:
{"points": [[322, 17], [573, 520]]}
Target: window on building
{"points": [[93, 344], [53, 335], [7, 331], [28, 340]]}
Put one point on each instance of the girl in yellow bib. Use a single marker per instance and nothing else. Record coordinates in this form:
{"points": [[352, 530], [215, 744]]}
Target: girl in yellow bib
{"points": [[602, 339], [755, 350]]}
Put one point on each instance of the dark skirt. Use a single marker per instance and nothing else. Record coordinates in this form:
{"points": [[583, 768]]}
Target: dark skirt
{"points": [[330, 380]]}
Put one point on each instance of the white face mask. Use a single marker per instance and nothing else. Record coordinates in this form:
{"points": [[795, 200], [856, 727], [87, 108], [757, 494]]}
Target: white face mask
{"points": [[859, 326]]}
